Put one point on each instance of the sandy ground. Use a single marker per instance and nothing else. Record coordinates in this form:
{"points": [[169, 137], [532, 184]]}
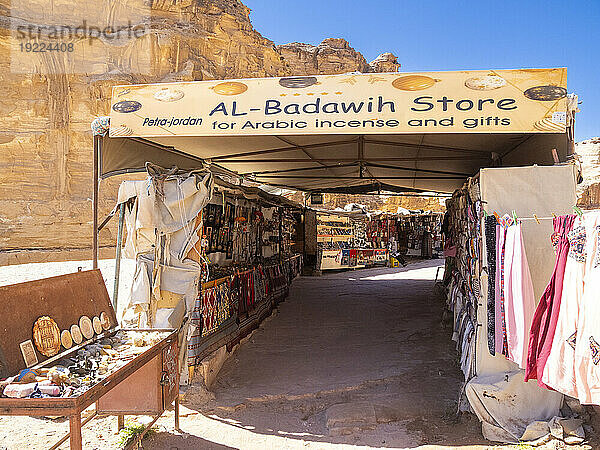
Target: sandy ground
{"points": [[350, 360]]}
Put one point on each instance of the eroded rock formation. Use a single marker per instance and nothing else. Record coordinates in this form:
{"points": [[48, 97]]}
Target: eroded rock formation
{"points": [[45, 138], [588, 192]]}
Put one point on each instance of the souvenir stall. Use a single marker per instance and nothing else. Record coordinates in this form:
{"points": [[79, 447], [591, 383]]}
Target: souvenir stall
{"points": [[334, 235], [225, 257], [379, 230], [409, 232], [416, 228], [500, 231], [342, 241], [72, 354], [360, 133]]}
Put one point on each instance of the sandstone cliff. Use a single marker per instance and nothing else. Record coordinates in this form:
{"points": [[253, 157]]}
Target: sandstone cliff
{"points": [[45, 138], [588, 192], [386, 203]]}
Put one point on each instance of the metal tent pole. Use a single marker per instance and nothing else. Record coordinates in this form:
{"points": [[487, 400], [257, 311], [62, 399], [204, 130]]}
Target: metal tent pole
{"points": [[95, 203], [118, 255]]}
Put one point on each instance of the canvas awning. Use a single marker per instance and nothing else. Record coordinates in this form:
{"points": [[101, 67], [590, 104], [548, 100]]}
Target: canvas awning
{"points": [[390, 131]]}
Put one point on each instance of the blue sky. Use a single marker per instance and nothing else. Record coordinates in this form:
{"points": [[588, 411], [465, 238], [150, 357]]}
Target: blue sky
{"points": [[450, 35]]}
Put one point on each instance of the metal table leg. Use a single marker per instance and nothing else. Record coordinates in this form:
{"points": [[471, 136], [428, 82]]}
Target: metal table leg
{"points": [[177, 412]]}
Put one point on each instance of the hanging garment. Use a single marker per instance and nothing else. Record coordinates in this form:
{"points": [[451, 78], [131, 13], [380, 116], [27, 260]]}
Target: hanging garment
{"points": [[544, 321], [559, 372], [587, 345], [490, 240], [519, 300], [500, 344]]}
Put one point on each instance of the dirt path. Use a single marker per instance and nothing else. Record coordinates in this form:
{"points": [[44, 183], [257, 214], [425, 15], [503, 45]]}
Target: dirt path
{"points": [[356, 358]]}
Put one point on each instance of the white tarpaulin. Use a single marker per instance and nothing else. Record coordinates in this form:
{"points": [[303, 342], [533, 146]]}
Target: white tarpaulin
{"points": [[161, 221], [506, 405]]}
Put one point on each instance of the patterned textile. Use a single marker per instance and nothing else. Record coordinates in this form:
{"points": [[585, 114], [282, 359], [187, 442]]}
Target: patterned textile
{"points": [[577, 243], [490, 239], [595, 350], [597, 255], [545, 318], [260, 285], [216, 307], [245, 286], [555, 239], [505, 221], [212, 309], [502, 298], [278, 282], [100, 125], [572, 340]]}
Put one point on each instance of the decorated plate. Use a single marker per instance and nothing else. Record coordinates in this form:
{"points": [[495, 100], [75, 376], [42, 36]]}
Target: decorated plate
{"points": [[414, 82], [65, 339], [97, 325], [76, 334], [297, 82], [168, 95], [46, 336], [485, 83], [104, 320], [230, 88], [127, 106], [86, 327], [545, 93]]}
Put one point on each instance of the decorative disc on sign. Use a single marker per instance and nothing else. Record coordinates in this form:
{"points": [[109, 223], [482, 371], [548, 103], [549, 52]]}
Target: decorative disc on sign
{"points": [[97, 325], [298, 82], [127, 106], [76, 334], [485, 83], [85, 325], [230, 88], [168, 95], [414, 82], [121, 130], [46, 336], [104, 320], [65, 339], [545, 93]]}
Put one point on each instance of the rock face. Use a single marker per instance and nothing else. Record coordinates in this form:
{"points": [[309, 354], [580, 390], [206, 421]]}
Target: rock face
{"points": [[385, 203], [333, 56], [45, 115], [386, 62], [588, 192]]}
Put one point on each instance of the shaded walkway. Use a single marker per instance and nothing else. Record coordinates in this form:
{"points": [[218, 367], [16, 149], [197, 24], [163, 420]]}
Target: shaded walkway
{"points": [[342, 329], [356, 357]]}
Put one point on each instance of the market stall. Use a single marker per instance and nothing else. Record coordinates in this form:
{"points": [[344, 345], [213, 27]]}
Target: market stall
{"points": [[357, 132], [420, 234], [65, 352], [341, 241], [500, 231], [219, 254]]}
